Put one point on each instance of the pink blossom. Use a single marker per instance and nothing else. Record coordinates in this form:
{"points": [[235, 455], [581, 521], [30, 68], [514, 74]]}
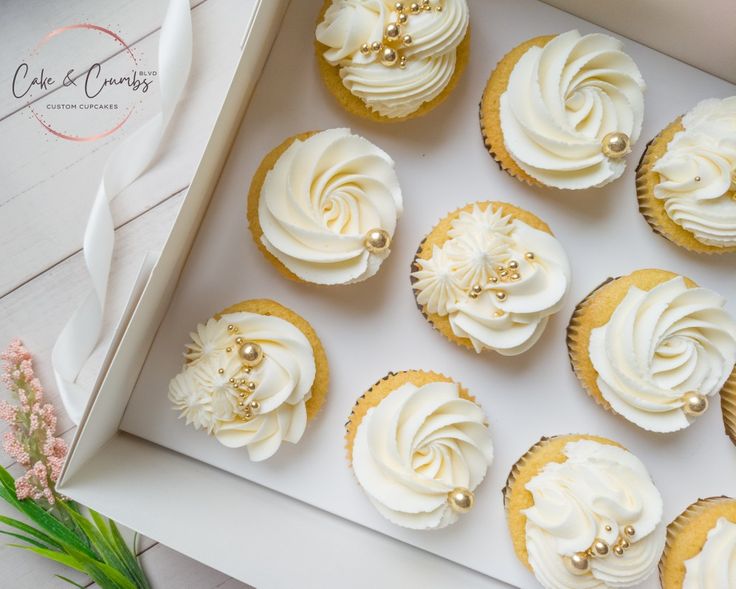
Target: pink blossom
{"points": [[31, 439]]}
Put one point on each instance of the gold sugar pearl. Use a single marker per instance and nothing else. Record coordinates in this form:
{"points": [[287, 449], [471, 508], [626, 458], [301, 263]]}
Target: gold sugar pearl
{"points": [[515, 276], [403, 18], [230, 327], [599, 548], [609, 528], [241, 381], [493, 279], [630, 531], [228, 349], [239, 340], [503, 273], [461, 500], [529, 255], [624, 543], [414, 8], [477, 289], [250, 385], [389, 56], [392, 31], [694, 404], [376, 46], [231, 381], [499, 313], [616, 145], [254, 405], [247, 369], [439, 8], [501, 295], [377, 240], [220, 371], [578, 563], [402, 62], [251, 354], [365, 49], [399, 7], [513, 264], [697, 178], [407, 40], [241, 404], [618, 550]]}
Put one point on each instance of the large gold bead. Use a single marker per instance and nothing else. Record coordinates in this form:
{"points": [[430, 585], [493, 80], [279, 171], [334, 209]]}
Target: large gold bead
{"points": [[618, 550], [376, 46], [403, 18], [414, 8], [251, 354], [461, 500], [407, 40], [616, 145], [600, 548], [377, 240], [389, 56], [694, 404], [254, 405], [399, 7], [392, 31], [578, 563]]}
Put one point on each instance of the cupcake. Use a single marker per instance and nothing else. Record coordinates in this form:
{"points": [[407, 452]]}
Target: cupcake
{"points": [[563, 111], [489, 276], [686, 181], [583, 513], [323, 206], [653, 347], [419, 446], [254, 375], [392, 61], [701, 547]]}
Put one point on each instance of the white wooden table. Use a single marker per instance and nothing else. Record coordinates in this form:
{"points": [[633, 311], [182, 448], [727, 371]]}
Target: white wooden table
{"points": [[46, 189]]}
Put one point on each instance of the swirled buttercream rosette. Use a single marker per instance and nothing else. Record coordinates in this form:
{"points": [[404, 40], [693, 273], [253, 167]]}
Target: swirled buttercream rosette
{"points": [[254, 375], [686, 180], [419, 447], [323, 207], [563, 111], [583, 513], [701, 547], [489, 276], [391, 61], [654, 348]]}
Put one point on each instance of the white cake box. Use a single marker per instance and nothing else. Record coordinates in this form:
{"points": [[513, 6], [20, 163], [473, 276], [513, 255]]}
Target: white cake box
{"points": [[300, 518]]}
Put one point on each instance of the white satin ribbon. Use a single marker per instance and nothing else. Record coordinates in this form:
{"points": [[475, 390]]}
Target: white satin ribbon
{"points": [[79, 336]]}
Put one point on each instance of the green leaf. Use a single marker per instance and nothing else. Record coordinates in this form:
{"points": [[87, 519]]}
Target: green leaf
{"points": [[7, 479], [131, 561], [104, 574], [60, 557], [63, 578], [100, 544], [23, 527], [24, 538], [53, 527]]}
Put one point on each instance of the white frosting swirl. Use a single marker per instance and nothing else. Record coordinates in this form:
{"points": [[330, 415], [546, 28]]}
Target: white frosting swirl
{"points": [[714, 567], [562, 99], [697, 173], [480, 242], [319, 201], [391, 91], [659, 345], [598, 485], [208, 400], [417, 445]]}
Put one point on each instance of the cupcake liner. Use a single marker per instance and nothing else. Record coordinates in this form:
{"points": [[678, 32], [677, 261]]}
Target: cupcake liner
{"points": [[652, 208], [490, 110], [331, 76], [381, 389], [254, 195], [268, 307], [686, 535], [515, 496], [439, 235], [728, 406]]}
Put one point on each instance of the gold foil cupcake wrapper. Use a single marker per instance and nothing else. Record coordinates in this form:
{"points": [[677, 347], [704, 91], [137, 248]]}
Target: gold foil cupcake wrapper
{"points": [[679, 525], [728, 406]]}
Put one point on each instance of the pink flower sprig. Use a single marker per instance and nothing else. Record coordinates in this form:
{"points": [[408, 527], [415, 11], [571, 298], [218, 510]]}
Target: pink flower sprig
{"points": [[31, 439]]}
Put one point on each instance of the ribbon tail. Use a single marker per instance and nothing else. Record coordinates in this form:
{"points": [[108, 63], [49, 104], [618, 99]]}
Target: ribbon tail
{"points": [[130, 159]]}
